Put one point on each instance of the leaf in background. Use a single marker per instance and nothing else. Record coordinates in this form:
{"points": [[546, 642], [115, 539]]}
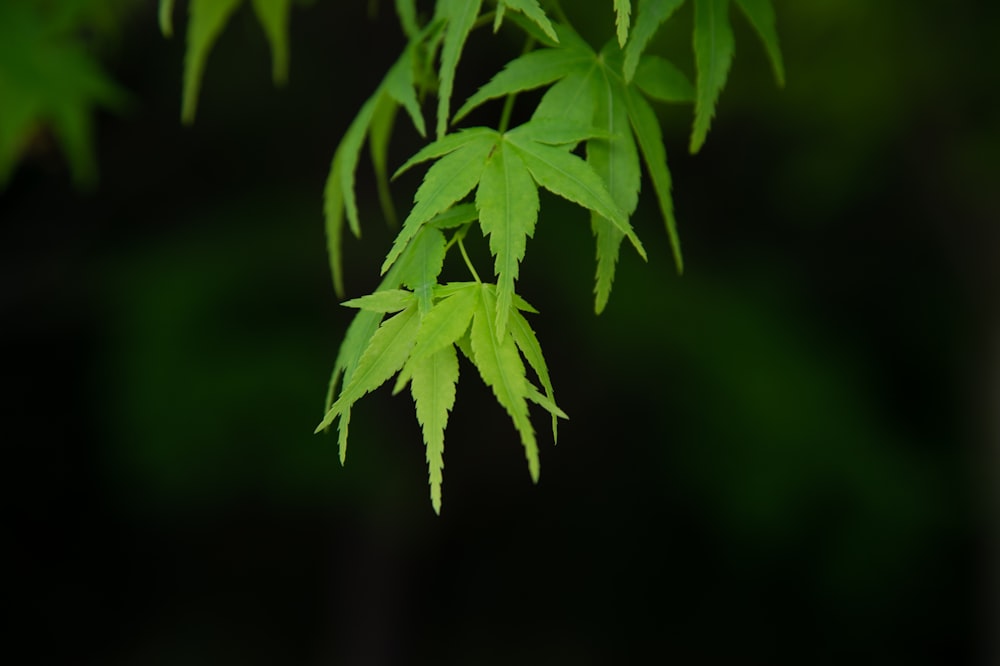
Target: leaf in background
{"points": [[660, 79], [507, 200], [623, 18], [48, 80], [652, 14], [166, 16], [616, 160], [533, 11], [273, 16], [407, 12], [461, 15], [207, 19], [432, 384], [761, 15], [455, 216], [650, 140], [383, 357], [501, 368], [379, 134], [713, 54], [445, 183]]}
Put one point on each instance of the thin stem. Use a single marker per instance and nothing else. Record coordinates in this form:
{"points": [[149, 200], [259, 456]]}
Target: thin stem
{"points": [[468, 262]]}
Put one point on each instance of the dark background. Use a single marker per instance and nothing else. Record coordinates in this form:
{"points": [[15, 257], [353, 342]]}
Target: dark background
{"points": [[787, 455]]}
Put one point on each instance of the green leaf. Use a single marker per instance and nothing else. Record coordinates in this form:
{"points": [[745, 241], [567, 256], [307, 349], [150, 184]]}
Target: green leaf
{"points": [[388, 300], [616, 160], [623, 17], [449, 179], [662, 81], [385, 354], [448, 144], [208, 18], [400, 84], [650, 140], [407, 12], [571, 100], [501, 368], [455, 216], [166, 16], [273, 16], [533, 11], [507, 200], [380, 128], [461, 15], [761, 15], [527, 72], [447, 321], [422, 264], [652, 14], [713, 54], [571, 178], [433, 380], [527, 342]]}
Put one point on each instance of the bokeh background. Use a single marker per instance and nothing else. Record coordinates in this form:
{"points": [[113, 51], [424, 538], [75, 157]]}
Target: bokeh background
{"points": [[787, 455]]}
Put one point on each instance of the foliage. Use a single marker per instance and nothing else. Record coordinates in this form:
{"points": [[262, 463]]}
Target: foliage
{"points": [[416, 325]]}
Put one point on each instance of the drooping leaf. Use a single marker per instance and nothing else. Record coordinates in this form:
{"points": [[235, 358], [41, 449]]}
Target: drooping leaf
{"points": [[507, 201], [380, 128], [713, 54], [445, 183], [461, 15], [616, 160], [623, 18], [274, 16], [661, 80], [650, 140], [385, 354], [407, 12], [501, 368], [652, 14], [432, 384], [447, 321], [761, 15], [571, 178], [527, 342], [388, 300], [208, 18], [533, 11]]}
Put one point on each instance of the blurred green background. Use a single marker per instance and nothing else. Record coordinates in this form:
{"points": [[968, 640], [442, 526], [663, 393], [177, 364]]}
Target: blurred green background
{"points": [[787, 455]]}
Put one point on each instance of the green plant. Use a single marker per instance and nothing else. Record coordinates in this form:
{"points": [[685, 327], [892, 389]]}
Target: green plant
{"points": [[415, 326]]}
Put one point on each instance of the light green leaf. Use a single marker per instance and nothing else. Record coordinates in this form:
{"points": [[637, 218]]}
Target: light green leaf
{"points": [[167, 17], [501, 368], [400, 85], [447, 321], [661, 80], [461, 15], [557, 132], [433, 380], [507, 200], [273, 16], [616, 160], [623, 18], [380, 128], [652, 14], [527, 342], [208, 18], [527, 72], [571, 100], [761, 15], [385, 354], [446, 182], [535, 396], [455, 216], [568, 176], [388, 300], [422, 264], [448, 144], [648, 135], [407, 12], [533, 11], [713, 54], [498, 16]]}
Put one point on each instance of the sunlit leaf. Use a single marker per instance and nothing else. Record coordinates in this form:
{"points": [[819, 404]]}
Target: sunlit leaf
{"points": [[432, 384], [460, 14], [623, 18], [527, 342], [389, 300], [420, 267]]}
